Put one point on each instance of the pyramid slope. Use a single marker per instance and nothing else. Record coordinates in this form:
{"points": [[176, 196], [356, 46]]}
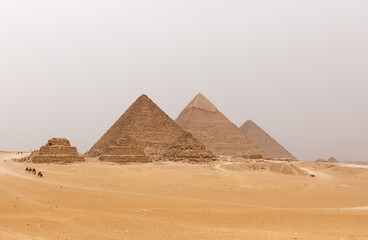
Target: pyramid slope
{"points": [[215, 131], [269, 145], [188, 149], [201, 102], [146, 124], [124, 150]]}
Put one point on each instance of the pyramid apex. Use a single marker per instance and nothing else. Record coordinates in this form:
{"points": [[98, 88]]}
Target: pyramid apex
{"points": [[199, 95], [143, 96], [201, 102], [248, 123], [143, 99]]}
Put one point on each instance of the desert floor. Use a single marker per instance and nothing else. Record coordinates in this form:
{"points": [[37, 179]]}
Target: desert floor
{"points": [[95, 200]]}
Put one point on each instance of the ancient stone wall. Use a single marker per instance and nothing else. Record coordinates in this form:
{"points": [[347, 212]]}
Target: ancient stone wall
{"points": [[56, 150]]}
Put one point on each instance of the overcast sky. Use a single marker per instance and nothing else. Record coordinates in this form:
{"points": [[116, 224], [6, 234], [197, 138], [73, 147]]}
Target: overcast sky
{"points": [[299, 69]]}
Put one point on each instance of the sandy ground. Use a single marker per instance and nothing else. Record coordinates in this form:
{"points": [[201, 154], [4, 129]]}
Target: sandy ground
{"points": [[95, 200]]}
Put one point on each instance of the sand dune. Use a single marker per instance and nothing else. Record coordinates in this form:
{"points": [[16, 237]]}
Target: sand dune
{"points": [[11, 155], [167, 200]]}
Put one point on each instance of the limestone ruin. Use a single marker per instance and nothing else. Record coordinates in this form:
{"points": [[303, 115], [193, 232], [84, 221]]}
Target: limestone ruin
{"points": [[268, 145], [149, 127], [57, 150], [202, 119]]}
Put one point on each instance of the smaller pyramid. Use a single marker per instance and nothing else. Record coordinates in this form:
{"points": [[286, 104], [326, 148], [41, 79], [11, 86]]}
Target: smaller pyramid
{"points": [[332, 160], [124, 150], [268, 145], [188, 149], [57, 150]]}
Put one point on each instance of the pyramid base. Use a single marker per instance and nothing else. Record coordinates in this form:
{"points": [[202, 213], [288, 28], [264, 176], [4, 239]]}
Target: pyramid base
{"points": [[56, 159], [190, 157], [125, 159]]}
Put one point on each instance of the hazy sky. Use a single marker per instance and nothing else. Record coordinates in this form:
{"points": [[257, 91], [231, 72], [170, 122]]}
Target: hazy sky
{"points": [[299, 69]]}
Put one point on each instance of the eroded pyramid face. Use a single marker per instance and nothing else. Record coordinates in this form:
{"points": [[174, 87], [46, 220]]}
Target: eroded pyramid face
{"points": [[202, 119], [57, 150]]}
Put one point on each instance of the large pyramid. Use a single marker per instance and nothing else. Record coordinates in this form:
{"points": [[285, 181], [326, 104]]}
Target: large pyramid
{"points": [[202, 119], [57, 150], [269, 145], [145, 124]]}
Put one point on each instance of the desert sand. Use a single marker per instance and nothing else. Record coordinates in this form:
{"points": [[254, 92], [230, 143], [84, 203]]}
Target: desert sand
{"points": [[168, 200]]}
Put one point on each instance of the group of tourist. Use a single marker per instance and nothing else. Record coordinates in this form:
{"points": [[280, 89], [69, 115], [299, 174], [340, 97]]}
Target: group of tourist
{"points": [[33, 170]]}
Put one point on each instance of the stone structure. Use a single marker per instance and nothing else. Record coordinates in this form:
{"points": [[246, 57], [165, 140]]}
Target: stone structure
{"points": [[188, 149], [124, 150], [330, 160], [268, 145], [147, 125], [57, 150], [202, 119]]}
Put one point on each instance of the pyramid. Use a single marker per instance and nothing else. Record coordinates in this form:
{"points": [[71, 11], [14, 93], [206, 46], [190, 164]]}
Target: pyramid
{"points": [[187, 149], [124, 150], [332, 160], [145, 124], [269, 145], [57, 150], [202, 119]]}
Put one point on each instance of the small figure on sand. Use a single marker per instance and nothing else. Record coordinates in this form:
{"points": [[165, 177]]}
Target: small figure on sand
{"points": [[34, 171]]}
